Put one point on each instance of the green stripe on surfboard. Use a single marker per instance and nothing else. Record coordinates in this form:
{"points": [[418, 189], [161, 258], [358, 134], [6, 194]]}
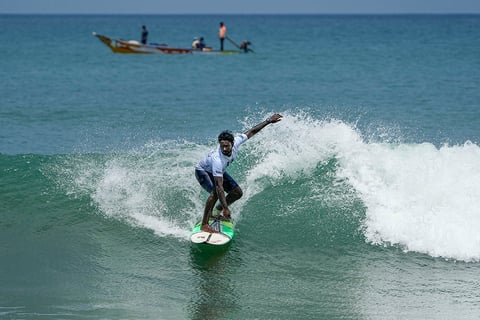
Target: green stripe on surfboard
{"points": [[226, 233], [227, 228]]}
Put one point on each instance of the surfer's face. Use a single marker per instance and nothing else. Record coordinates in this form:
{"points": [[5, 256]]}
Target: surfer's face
{"points": [[226, 147]]}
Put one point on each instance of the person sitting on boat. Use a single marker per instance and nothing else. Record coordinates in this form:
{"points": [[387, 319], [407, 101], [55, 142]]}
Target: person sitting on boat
{"points": [[201, 44], [144, 34], [198, 43], [195, 43], [244, 46]]}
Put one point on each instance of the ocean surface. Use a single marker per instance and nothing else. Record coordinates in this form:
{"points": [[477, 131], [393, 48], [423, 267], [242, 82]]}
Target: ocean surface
{"points": [[362, 203]]}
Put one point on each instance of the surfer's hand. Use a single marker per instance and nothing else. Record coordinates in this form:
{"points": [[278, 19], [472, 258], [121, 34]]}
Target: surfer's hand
{"points": [[274, 118], [226, 213]]}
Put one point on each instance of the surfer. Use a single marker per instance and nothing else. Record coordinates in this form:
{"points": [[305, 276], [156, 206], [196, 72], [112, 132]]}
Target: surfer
{"points": [[212, 176]]}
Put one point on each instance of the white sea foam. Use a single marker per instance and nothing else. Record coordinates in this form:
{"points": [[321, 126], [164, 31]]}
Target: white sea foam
{"points": [[151, 189], [423, 198], [296, 146], [419, 197]]}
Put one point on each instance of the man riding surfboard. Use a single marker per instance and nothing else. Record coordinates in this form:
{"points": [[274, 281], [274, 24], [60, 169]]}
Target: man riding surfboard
{"points": [[212, 176]]}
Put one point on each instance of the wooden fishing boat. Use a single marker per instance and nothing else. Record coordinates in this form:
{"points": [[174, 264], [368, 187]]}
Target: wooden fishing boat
{"points": [[133, 46]]}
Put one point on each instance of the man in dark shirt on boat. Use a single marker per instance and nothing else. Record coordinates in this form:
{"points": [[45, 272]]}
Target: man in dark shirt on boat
{"points": [[144, 35]]}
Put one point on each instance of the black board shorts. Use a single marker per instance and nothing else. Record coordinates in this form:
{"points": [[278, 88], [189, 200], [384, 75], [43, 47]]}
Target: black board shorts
{"points": [[207, 182]]}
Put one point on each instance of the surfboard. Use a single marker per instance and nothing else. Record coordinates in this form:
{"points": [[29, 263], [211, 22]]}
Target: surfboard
{"points": [[222, 237]]}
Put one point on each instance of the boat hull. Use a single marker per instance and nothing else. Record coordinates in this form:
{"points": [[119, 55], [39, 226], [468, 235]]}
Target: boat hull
{"points": [[134, 47]]}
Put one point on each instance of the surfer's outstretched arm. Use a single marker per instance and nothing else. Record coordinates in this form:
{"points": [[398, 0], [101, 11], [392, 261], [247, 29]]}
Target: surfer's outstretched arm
{"points": [[272, 119]]}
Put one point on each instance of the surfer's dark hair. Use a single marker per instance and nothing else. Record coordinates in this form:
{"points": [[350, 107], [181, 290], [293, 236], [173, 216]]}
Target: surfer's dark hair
{"points": [[226, 135]]}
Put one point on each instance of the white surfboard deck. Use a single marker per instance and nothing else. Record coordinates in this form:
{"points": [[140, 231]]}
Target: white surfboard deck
{"points": [[215, 238]]}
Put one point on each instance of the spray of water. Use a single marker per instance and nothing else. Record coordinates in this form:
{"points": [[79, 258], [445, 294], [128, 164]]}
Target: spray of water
{"points": [[417, 196]]}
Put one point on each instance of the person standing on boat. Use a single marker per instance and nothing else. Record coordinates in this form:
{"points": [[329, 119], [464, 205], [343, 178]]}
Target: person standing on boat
{"points": [[144, 34], [212, 176], [222, 33]]}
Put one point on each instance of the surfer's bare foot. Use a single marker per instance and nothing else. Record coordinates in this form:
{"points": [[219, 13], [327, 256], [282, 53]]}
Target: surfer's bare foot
{"points": [[207, 228]]}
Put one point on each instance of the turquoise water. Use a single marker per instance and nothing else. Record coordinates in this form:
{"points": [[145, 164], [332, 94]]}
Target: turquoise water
{"points": [[361, 204]]}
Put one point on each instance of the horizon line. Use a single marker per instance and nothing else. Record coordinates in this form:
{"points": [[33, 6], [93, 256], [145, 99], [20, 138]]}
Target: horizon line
{"points": [[232, 13]]}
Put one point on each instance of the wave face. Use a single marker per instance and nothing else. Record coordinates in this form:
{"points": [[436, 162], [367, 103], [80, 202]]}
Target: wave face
{"points": [[318, 178]]}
